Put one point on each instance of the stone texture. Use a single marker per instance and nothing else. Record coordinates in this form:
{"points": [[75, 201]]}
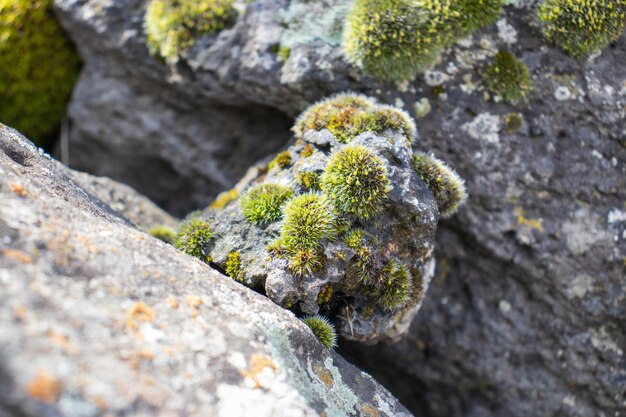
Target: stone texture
{"points": [[98, 318], [526, 313]]}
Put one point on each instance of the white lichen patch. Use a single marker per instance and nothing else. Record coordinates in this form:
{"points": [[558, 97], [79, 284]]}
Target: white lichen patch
{"points": [[468, 86], [563, 93], [579, 287], [485, 127], [583, 230], [435, 78], [616, 215], [421, 108], [506, 32], [602, 340], [236, 401]]}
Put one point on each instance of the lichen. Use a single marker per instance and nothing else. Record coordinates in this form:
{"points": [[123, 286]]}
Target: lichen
{"points": [[323, 329], [582, 27], [174, 25], [262, 204], [39, 69], [508, 77], [444, 183], [282, 160], [192, 237], [164, 233]]}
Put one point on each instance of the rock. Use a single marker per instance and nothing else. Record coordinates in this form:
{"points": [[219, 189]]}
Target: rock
{"points": [[98, 318], [340, 222], [525, 314]]}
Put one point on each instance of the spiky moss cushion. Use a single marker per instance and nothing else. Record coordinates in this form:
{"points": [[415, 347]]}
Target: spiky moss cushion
{"points": [[508, 77], [582, 27], [174, 25], [38, 69]]}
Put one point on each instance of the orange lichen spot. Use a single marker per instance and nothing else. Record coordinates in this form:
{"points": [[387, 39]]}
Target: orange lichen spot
{"points": [[172, 302], [369, 411], [99, 401], [258, 363], [139, 312], [194, 303], [531, 223], [17, 255], [323, 374], [18, 189], [19, 312], [63, 342], [44, 387]]}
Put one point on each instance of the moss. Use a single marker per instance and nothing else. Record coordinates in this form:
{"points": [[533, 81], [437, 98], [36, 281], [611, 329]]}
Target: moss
{"points": [[38, 71], [447, 187], [224, 198], [322, 329], [284, 52], [364, 264], [283, 160], [164, 233], [393, 287], [306, 261], [356, 181], [192, 237], [309, 219], [582, 27], [513, 122], [308, 180], [233, 266], [174, 25], [325, 294], [394, 40], [508, 77], [263, 203], [307, 150], [348, 115]]}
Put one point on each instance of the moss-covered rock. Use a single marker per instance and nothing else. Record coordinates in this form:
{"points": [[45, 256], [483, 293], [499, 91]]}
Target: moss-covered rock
{"points": [[38, 69], [354, 233]]}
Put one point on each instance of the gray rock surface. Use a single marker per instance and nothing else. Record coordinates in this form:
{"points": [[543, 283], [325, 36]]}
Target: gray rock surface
{"points": [[99, 319], [526, 313]]}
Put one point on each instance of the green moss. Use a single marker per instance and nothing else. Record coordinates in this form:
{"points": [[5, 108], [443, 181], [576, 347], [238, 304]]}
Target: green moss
{"points": [[356, 181], [394, 40], [262, 204], [164, 233], [325, 294], [284, 52], [348, 115], [508, 77], [39, 67], [307, 150], [309, 219], [282, 160], [513, 122], [582, 27], [393, 287], [447, 187], [192, 237], [233, 266], [174, 25], [323, 329], [363, 264], [308, 180], [306, 261], [224, 198]]}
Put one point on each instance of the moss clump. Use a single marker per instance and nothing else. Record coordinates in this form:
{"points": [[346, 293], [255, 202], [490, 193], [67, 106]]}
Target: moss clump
{"points": [[323, 330], [233, 266], [308, 180], [192, 236], [307, 150], [348, 115], [508, 77], [364, 263], [309, 220], [444, 183], [582, 27], [393, 287], [164, 233], [174, 25], [393, 40], [262, 204], [356, 181], [284, 52], [282, 160], [325, 294], [38, 70], [513, 122], [224, 198]]}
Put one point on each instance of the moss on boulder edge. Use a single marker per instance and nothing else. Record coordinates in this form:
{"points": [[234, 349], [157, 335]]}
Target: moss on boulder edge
{"points": [[361, 257]]}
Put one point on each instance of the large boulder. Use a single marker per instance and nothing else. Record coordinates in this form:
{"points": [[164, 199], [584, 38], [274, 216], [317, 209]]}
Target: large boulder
{"points": [[525, 314], [99, 318]]}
